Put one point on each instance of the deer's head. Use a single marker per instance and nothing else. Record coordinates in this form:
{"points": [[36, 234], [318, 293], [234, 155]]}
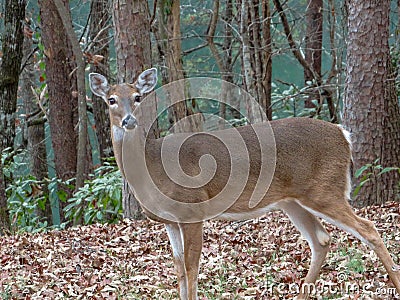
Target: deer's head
{"points": [[123, 98]]}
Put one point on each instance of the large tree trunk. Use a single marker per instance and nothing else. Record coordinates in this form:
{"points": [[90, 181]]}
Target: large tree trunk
{"points": [[35, 127], [371, 110], [132, 43], [132, 38], [98, 35], [313, 51], [62, 102], [12, 41]]}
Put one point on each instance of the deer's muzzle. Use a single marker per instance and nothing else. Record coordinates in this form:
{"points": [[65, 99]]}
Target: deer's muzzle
{"points": [[129, 122]]}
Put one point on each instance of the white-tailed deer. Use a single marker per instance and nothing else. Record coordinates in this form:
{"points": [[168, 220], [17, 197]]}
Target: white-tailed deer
{"points": [[312, 178]]}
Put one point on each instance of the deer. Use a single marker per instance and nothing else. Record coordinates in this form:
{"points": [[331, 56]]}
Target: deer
{"points": [[311, 179]]}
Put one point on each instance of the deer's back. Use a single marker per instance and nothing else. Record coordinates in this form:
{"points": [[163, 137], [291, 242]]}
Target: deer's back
{"points": [[311, 155]]}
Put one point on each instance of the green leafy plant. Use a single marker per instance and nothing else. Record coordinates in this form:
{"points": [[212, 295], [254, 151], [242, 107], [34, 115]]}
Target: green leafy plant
{"points": [[395, 59], [99, 200], [24, 194], [288, 101], [369, 172], [24, 201], [354, 260]]}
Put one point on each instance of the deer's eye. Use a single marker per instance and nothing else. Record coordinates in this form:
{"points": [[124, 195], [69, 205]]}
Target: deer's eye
{"points": [[136, 98], [112, 101]]}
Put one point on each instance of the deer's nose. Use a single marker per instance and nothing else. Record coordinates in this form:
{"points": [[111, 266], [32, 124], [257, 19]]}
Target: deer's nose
{"points": [[129, 122]]}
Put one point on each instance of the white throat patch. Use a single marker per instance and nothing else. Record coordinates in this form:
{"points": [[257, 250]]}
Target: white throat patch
{"points": [[118, 133]]}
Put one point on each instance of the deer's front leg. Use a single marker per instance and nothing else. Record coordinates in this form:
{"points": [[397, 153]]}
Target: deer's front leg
{"points": [[175, 238], [187, 242]]}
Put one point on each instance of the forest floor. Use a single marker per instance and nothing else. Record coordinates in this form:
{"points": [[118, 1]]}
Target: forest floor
{"points": [[264, 258]]}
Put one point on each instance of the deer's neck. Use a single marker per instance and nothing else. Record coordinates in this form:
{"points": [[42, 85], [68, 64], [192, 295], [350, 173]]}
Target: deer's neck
{"points": [[117, 136]]}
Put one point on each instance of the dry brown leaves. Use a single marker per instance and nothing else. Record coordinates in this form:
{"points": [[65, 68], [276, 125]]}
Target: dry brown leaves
{"points": [[264, 258]]}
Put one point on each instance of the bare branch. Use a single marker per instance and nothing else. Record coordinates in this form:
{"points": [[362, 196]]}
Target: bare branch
{"points": [[40, 99], [288, 32], [210, 37], [201, 46]]}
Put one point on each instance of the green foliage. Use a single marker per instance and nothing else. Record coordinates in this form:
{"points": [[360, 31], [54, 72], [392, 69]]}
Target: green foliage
{"points": [[40, 56], [167, 7], [99, 200], [395, 60], [288, 101], [24, 203], [354, 260], [371, 172], [24, 195]]}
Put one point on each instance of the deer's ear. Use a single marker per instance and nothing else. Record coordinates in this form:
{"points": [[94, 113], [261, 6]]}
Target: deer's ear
{"points": [[98, 84], [146, 81]]}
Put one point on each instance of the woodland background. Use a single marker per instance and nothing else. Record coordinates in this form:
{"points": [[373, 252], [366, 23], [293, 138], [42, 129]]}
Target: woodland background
{"points": [[327, 59]]}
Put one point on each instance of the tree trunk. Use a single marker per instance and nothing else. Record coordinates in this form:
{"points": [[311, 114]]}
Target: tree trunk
{"points": [[257, 53], [35, 127], [62, 102], [224, 60], [132, 38], [229, 62], [12, 41], [248, 71], [313, 51], [98, 35], [170, 35], [171, 22], [266, 59], [132, 43], [4, 215], [82, 165], [371, 110]]}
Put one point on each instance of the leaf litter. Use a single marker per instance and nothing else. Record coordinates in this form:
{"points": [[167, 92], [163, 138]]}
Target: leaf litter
{"points": [[264, 258]]}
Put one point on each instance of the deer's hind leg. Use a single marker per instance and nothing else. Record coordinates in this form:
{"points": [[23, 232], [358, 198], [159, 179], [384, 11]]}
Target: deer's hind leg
{"points": [[192, 235], [337, 210], [315, 234]]}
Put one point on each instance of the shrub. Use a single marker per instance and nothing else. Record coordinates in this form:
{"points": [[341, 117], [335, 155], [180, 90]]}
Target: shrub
{"points": [[99, 200]]}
